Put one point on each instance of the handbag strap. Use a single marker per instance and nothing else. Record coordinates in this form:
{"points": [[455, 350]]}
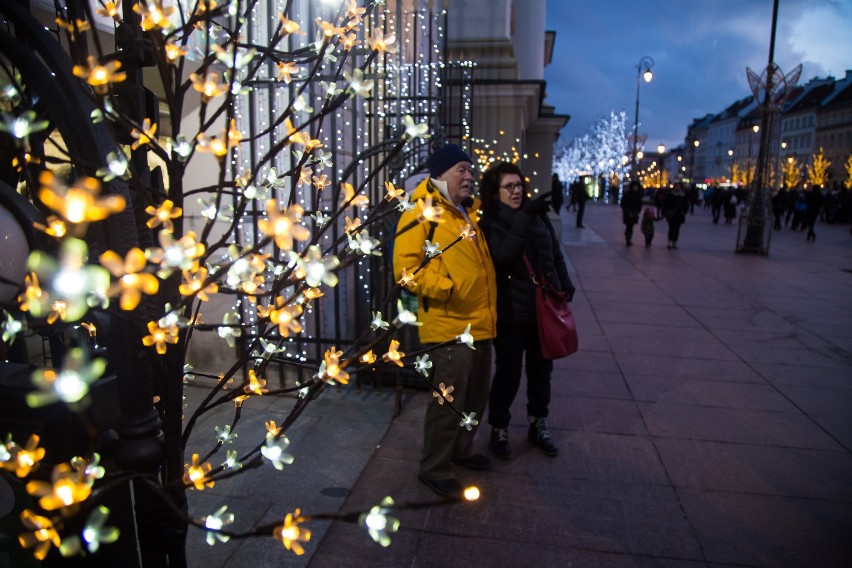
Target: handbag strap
{"points": [[531, 272]]}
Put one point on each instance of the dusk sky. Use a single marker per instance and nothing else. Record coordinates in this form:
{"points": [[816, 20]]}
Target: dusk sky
{"points": [[701, 49]]}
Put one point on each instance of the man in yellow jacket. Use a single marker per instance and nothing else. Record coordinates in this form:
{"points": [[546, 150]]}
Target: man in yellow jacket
{"points": [[455, 289]]}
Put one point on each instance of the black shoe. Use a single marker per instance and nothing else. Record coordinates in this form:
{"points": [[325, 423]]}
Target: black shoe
{"points": [[473, 461], [630, 243], [500, 443], [581, 226], [443, 487], [539, 436], [674, 246]]}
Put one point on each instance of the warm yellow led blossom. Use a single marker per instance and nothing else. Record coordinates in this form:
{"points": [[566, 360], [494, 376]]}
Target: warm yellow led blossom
{"points": [[255, 386], [286, 70], [283, 225], [349, 41], [286, 317], [163, 215], [407, 280], [369, 357], [429, 212], [144, 136], [132, 280], [154, 14], [444, 394], [221, 144], [33, 299], [78, 204], [272, 428], [328, 29], [66, 488], [100, 77], [291, 534], [73, 27], [321, 182], [21, 461], [194, 284], [351, 225], [380, 43], [208, 85], [174, 51], [393, 192], [350, 197], [110, 10], [466, 232], [331, 370], [43, 535], [159, 337], [304, 176], [393, 355], [289, 26], [196, 474], [304, 139]]}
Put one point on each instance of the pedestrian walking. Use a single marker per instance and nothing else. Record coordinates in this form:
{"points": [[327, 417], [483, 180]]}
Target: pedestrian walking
{"points": [[631, 206], [675, 207], [456, 290], [557, 193], [814, 201], [649, 217], [516, 229], [582, 197]]}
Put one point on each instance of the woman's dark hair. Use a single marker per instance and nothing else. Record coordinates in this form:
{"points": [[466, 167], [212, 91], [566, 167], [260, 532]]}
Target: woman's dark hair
{"points": [[489, 184], [634, 183]]}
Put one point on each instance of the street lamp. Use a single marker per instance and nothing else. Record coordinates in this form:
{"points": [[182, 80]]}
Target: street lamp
{"points": [[661, 149], [643, 71]]}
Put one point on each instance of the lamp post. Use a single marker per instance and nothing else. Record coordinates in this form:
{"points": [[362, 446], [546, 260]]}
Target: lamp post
{"points": [[643, 71], [661, 149]]}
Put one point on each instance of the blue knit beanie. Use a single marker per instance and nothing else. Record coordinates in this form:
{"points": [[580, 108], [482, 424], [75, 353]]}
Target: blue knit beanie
{"points": [[445, 158]]}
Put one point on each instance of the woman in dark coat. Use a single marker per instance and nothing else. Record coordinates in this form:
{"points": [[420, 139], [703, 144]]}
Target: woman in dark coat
{"points": [[674, 208], [631, 206], [514, 227]]}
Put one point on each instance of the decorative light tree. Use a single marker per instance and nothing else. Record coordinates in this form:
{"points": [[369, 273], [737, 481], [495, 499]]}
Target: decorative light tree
{"points": [[818, 169], [119, 277], [791, 173]]}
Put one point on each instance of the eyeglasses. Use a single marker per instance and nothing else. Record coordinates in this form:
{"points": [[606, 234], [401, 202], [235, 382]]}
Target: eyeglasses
{"points": [[512, 187]]}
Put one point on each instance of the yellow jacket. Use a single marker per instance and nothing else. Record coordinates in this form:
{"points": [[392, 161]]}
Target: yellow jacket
{"points": [[456, 287]]}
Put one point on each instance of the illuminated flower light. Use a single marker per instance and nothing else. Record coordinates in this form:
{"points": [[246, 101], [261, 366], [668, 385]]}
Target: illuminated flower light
{"points": [[117, 167], [380, 43], [289, 26], [196, 474], [231, 460], [34, 299], [428, 211], [378, 322], [273, 451], [154, 14], [72, 282], [272, 429], [319, 270], [224, 434], [321, 219], [163, 215], [215, 523], [351, 225], [78, 204], [321, 182], [232, 60], [144, 136], [229, 331], [466, 232], [132, 280], [66, 488], [43, 535], [407, 280], [349, 41], [90, 469], [405, 203], [73, 27], [393, 355], [55, 227], [405, 316], [175, 254], [283, 225], [11, 328], [301, 105], [356, 83], [378, 523], [468, 421], [291, 534], [268, 348], [354, 12], [208, 85], [393, 192], [255, 386], [194, 284], [159, 337], [110, 10], [330, 369], [180, 147], [20, 127], [70, 384], [304, 139], [286, 70], [431, 249], [173, 52], [414, 131], [328, 29], [304, 176], [368, 358], [444, 394], [350, 197], [20, 460], [95, 532], [286, 317], [422, 365], [363, 244], [466, 338], [100, 77]]}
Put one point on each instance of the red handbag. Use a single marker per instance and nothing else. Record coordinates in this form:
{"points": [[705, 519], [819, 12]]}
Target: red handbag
{"points": [[557, 330]]}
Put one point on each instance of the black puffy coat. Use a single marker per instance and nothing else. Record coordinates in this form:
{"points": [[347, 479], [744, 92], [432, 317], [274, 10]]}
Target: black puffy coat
{"points": [[631, 206], [511, 233]]}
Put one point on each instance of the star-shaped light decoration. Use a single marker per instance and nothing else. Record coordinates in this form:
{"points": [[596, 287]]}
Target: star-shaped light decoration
{"points": [[393, 355], [321, 219], [291, 534], [468, 421], [405, 203], [286, 71], [350, 199], [73, 27], [378, 523], [70, 384], [422, 365], [173, 52], [406, 280], [349, 41], [90, 469], [466, 338], [273, 451], [444, 395], [94, 534], [110, 9], [378, 322], [289, 26], [132, 281], [215, 523], [195, 474], [363, 244], [393, 192]]}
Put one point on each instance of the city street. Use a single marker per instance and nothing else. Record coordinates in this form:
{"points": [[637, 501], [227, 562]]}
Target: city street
{"points": [[705, 422]]}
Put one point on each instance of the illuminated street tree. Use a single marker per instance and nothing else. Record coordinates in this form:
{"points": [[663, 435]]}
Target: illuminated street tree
{"points": [[818, 170], [791, 173]]}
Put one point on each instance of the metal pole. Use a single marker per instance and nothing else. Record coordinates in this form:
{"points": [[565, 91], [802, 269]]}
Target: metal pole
{"points": [[647, 63]]}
